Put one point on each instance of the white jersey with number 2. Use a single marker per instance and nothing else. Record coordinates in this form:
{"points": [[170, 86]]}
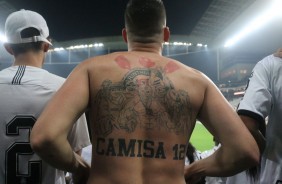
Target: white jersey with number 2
{"points": [[24, 92]]}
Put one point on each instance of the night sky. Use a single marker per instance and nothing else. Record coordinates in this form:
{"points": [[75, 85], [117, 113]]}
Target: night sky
{"points": [[73, 19]]}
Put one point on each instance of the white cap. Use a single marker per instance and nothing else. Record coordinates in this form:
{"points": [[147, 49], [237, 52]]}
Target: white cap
{"points": [[20, 20]]}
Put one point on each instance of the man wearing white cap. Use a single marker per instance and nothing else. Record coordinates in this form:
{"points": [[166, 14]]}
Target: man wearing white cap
{"points": [[25, 90]]}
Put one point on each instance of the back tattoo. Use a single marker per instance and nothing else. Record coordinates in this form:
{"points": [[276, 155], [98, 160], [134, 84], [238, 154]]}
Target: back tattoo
{"points": [[145, 98]]}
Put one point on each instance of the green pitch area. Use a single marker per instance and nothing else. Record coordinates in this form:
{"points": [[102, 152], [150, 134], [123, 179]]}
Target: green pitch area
{"points": [[201, 138]]}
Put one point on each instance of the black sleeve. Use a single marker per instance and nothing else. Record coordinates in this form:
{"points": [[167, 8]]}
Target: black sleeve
{"points": [[256, 117]]}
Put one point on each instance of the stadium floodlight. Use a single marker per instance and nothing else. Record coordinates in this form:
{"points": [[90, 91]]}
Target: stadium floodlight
{"points": [[59, 49], [179, 44], [3, 38], [258, 22], [187, 44], [175, 43]]}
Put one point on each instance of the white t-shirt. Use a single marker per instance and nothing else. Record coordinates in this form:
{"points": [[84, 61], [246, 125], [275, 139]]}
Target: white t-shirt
{"points": [[240, 178], [263, 98], [25, 91], [271, 173], [87, 154]]}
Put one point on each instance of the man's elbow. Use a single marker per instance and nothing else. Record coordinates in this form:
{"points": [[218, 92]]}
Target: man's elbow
{"points": [[253, 156], [244, 158], [40, 143], [248, 156]]}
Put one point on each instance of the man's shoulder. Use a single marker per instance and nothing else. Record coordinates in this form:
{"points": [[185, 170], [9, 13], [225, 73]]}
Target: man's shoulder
{"points": [[51, 76], [50, 79], [269, 63], [271, 59]]}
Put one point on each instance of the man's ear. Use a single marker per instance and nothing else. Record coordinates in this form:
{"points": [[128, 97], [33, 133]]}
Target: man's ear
{"points": [[45, 47], [166, 34], [124, 35], [8, 48], [278, 53]]}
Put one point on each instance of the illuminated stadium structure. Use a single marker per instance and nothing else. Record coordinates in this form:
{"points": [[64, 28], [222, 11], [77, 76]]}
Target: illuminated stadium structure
{"points": [[229, 67], [219, 65]]}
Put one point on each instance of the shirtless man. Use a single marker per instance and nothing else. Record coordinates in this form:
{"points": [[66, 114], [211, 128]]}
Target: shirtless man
{"points": [[143, 108]]}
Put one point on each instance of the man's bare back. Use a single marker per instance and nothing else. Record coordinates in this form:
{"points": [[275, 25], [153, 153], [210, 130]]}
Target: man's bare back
{"points": [[143, 109], [140, 115]]}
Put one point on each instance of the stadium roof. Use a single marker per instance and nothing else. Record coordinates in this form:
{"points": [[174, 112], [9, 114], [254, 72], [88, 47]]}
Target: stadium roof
{"points": [[210, 22]]}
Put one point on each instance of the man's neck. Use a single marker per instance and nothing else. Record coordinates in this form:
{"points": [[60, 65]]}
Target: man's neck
{"points": [[145, 47], [29, 59]]}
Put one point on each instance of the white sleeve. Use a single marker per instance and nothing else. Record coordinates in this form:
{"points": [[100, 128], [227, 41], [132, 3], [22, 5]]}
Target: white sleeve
{"points": [[79, 136], [257, 100], [87, 154]]}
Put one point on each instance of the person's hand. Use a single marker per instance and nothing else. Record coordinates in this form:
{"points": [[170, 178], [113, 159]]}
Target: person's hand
{"points": [[82, 171], [278, 53], [195, 180], [191, 178]]}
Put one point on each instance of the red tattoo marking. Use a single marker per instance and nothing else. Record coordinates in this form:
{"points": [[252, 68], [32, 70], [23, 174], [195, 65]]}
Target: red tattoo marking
{"points": [[123, 62], [146, 62], [170, 67]]}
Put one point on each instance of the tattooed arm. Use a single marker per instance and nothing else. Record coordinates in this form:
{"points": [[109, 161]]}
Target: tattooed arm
{"points": [[238, 151]]}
